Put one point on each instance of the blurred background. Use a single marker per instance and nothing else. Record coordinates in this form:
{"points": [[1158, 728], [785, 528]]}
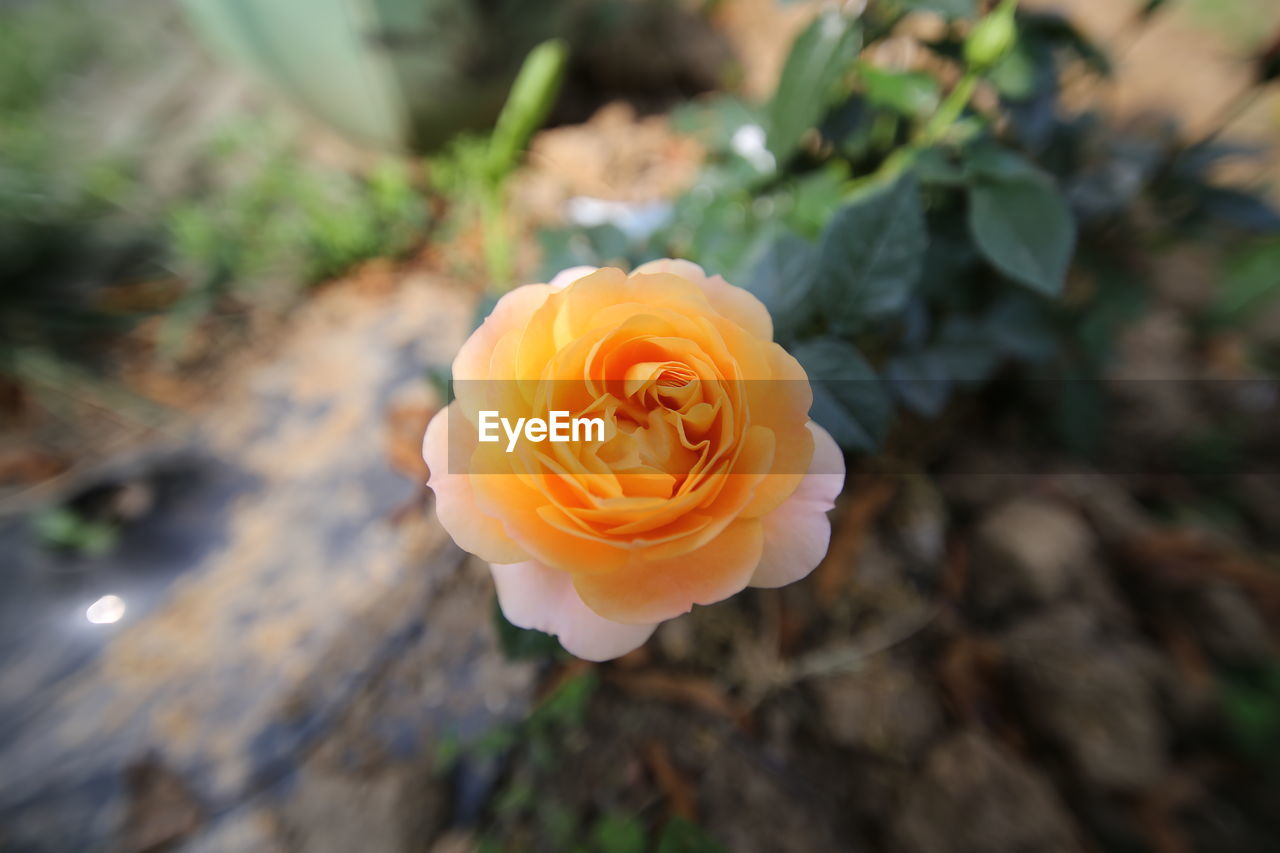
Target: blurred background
{"points": [[241, 241]]}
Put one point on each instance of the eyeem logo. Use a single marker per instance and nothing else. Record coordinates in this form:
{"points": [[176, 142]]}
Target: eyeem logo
{"points": [[559, 428]]}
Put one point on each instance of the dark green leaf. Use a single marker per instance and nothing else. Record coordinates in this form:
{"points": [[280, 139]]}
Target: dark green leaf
{"points": [[567, 705], [719, 229], [1251, 705], [562, 248], [848, 125], [67, 530], [684, 836], [911, 93], [946, 8], [820, 56], [1079, 414], [1241, 209], [1251, 283], [933, 166], [783, 280], [813, 197], [1118, 300], [1196, 161], [1015, 75], [1018, 328], [872, 255], [968, 348], [989, 160], [714, 120], [920, 380], [596, 245], [848, 398], [616, 834], [1054, 30], [1024, 227]]}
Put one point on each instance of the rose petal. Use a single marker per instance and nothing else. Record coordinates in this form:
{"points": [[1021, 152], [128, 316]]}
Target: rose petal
{"points": [[537, 597], [511, 312], [564, 278], [797, 533], [648, 591], [739, 305], [456, 505]]}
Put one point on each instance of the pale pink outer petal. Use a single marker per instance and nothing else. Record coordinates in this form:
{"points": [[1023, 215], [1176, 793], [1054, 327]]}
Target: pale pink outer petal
{"points": [[535, 596], [564, 278], [456, 507], [511, 313], [739, 305], [797, 533]]}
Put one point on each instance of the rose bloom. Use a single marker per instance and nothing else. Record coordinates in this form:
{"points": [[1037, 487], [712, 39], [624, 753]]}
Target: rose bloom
{"points": [[710, 478]]}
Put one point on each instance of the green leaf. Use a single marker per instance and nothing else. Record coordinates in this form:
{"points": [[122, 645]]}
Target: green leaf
{"points": [[912, 93], [66, 529], [1056, 32], [872, 255], [1250, 284], [595, 245], [1078, 409], [989, 160], [783, 280], [1023, 226], [1014, 76], [947, 8], [920, 380], [617, 834], [532, 95], [970, 350], [848, 398], [1251, 705], [566, 707], [1018, 327], [684, 836], [714, 120], [933, 166], [820, 56], [813, 197]]}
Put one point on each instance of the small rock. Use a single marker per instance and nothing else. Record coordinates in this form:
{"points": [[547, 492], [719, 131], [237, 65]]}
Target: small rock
{"points": [[335, 812], [162, 808], [974, 795], [454, 841], [918, 519], [1094, 695], [1028, 552], [1261, 495], [884, 709], [1151, 407], [979, 476], [748, 809], [1229, 625], [1105, 500], [675, 638]]}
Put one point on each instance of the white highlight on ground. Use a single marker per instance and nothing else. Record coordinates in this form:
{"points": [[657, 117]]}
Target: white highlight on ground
{"points": [[106, 610]]}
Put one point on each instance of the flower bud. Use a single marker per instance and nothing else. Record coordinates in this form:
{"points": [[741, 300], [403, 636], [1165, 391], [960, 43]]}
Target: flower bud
{"points": [[991, 38]]}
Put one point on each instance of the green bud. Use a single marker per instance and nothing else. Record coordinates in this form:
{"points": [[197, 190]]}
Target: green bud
{"points": [[532, 95], [991, 38]]}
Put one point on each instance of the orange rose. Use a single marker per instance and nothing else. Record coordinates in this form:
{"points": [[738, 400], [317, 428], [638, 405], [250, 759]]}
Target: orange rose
{"points": [[709, 476]]}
